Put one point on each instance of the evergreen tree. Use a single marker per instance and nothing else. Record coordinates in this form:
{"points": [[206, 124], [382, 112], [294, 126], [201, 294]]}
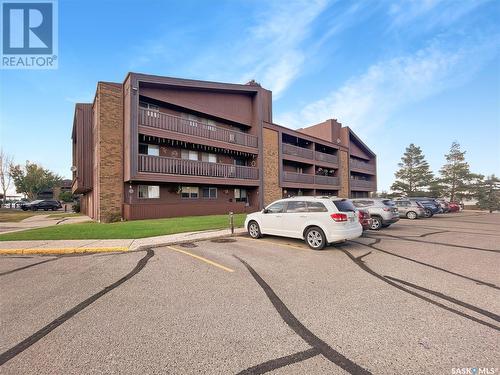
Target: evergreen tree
{"points": [[414, 173], [456, 177], [488, 194]]}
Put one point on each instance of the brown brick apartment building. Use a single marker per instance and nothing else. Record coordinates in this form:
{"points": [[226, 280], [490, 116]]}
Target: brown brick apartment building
{"points": [[161, 147]]}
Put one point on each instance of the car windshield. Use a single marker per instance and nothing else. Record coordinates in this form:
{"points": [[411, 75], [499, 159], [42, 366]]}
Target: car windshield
{"points": [[388, 202], [344, 205]]}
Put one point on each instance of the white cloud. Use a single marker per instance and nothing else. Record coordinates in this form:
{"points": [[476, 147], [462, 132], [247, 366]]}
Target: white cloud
{"points": [[365, 102]]}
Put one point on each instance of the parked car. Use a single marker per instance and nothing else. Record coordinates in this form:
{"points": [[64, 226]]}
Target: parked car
{"points": [[46, 204], [317, 220], [364, 219], [444, 205], [431, 207], [409, 209], [453, 207], [383, 212]]}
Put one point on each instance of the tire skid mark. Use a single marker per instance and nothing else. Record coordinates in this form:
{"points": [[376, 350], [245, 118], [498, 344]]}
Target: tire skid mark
{"points": [[368, 270], [28, 266], [480, 282], [277, 363], [38, 335], [402, 238], [309, 337], [431, 233], [447, 298]]}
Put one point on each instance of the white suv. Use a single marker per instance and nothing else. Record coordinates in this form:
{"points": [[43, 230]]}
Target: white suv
{"points": [[317, 220]]}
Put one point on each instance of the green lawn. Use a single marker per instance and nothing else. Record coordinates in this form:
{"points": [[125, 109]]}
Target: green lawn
{"points": [[126, 229], [14, 216]]}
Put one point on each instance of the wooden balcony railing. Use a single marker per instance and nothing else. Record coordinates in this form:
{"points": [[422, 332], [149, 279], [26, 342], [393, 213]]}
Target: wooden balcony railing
{"points": [[363, 184], [362, 165], [326, 180], [297, 151], [198, 129], [321, 156], [165, 165], [298, 177]]}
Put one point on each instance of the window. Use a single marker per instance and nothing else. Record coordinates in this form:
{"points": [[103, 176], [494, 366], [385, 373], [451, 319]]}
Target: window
{"points": [[316, 207], [149, 191], [211, 158], [189, 192], [344, 205], [209, 192], [296, 206], [146, 149], [238, 161], [152, 108], [276, 208], [240, 195], [189, 155]]}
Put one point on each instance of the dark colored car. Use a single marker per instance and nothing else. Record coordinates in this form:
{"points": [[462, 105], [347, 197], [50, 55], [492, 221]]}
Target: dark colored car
{"points": [[431, 206], [46, 204], [364, 219]]}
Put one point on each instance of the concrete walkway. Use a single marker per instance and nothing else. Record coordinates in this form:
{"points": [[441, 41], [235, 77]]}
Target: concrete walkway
{"points": [[40, 221], [88, 246]]}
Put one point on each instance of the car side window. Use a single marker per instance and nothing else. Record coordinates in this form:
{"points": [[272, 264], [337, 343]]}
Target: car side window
{"points": [[296, 206], [276, 208], [316, 207]]}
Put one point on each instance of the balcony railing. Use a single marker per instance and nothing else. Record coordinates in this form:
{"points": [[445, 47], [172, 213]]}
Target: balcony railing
{"points": [[165, 165], [326, 180], [362, 165], [321, 156], [363, 184], [298, 177], [198, 129], [297, 151]]}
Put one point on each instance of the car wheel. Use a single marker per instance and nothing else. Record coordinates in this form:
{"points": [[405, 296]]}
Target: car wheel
{"points": [[428, 213], [376, 223], [315, 238], [54, 209], [411, 215], [254, 230]]}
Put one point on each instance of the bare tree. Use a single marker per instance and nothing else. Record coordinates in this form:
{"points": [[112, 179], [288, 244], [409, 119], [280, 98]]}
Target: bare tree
{"points": [[5, 177]]}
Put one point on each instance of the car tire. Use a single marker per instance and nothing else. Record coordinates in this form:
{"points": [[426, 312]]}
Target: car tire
{"points": [[315, 238], [412, 215], [376, 223], [54, 209], [428, 213], [254, 230]]}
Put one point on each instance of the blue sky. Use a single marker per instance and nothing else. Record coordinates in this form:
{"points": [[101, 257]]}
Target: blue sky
{"points": [[397, 72]]}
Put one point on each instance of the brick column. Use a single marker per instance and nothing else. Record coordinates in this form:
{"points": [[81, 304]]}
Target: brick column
{"points": [[344, 174], [272, 189]]}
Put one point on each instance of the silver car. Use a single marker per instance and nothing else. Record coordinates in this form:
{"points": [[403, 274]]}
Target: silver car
{"points": [[382, 211], [409, 209]]}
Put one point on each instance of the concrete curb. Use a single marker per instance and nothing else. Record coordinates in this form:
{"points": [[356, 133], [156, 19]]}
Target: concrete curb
{"points": [[68, 250]]}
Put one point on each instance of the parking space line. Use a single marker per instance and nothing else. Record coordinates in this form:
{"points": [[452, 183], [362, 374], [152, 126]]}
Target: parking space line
{"points": [[215, 264], [276, 243]]}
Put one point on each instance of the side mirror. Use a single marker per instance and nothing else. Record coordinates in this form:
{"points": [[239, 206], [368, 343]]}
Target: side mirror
{"points": [[265, 211]]}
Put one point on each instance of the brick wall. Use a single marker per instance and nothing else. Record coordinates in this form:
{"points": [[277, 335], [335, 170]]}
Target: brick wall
{"points": [[272, 189], [344, 174], [110, 151]]}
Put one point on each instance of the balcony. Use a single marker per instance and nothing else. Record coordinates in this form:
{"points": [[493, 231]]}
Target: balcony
{"points": [[326, 180], [181, 125], [302, 152], [328, 158], [362, 165], [298, 177], [362, 184], [165, 165]]}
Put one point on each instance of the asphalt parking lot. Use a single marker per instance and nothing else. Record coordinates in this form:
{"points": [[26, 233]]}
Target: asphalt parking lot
{"points": [[419, 297]]}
